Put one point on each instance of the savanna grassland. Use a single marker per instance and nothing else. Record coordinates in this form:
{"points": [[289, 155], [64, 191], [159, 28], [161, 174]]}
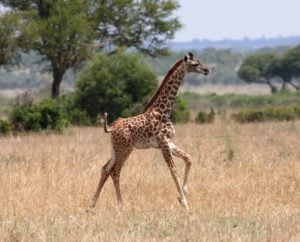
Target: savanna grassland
{"points": [[244, 185]]}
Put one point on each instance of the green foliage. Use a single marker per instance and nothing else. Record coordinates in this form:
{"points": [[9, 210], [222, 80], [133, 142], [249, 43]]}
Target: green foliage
{"points": [[197, 101], [286, 113], [36, 117], [261, 67], [180, 112], [291, 59], [117, 84], [67, 32], [8, 47], [204, 117], [258, 68], [74, 115], [144, 25], [5, 127]]}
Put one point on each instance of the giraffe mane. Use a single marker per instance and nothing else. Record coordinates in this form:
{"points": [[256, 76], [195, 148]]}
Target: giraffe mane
{"points": [[163, 83]]}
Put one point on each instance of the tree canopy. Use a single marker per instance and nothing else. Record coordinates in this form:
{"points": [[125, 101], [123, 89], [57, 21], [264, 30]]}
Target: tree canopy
{"points": [[256, 68], [68, 32], [262, 67], [8, 38]]}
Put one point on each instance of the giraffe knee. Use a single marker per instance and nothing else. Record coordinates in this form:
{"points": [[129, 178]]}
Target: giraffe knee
{"points": [[108, 166], [188, 160]]}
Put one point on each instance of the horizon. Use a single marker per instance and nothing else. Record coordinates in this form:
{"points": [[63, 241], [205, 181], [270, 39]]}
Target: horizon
{"points": [[245, 38], [237, 19]]}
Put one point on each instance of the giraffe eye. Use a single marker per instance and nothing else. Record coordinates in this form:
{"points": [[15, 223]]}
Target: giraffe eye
{"points": [[194, 65]]}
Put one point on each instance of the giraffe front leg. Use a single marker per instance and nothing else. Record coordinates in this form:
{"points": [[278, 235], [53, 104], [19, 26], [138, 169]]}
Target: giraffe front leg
{"points": [[188, 162], [167, 154]]}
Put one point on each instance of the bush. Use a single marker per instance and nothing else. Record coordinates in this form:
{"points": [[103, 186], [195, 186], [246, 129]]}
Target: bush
{"points": [[204, 117], [286, 113], [36, 117], [115, 84], [74, 115], [5, 127], [180, 112]]}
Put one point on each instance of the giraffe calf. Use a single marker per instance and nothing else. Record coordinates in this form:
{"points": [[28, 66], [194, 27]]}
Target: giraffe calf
{"points": [[151, 129]]}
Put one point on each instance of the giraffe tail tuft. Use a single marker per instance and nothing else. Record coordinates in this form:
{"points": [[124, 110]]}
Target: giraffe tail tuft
{"points": [[106, 128]]}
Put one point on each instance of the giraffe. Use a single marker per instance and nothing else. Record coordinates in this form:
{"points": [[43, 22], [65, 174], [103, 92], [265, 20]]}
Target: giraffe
{"points": [[151, 129]]}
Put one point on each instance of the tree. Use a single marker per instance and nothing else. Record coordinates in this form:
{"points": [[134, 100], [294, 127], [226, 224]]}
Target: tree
{"points": [[66, 32], [288, 67], [143, 24], [58, 30], [118, 84], [257, 68], [8, 39]]}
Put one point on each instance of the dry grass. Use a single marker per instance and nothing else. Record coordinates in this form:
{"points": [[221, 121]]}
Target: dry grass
{"points": [[244, 185]]}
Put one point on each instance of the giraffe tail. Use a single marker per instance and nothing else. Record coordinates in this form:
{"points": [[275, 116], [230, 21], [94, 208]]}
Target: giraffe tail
{"points": [[106, 128]]}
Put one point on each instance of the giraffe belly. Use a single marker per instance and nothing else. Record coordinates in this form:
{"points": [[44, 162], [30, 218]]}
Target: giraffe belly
{"points": [[146, 143]]}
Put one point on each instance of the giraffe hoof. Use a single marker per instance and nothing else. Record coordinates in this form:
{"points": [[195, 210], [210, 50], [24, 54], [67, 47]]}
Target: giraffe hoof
{"points": [[183, 202], [184, 189], [90, 210]]}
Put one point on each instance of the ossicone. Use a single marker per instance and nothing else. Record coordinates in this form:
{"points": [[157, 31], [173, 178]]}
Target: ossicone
{"points": [[190, 56]]}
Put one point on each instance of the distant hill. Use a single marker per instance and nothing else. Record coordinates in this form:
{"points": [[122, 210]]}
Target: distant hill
{"points": [[245, 44]]}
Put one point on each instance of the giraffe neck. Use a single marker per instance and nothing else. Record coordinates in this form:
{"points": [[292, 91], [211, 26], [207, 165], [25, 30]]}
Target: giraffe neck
{"points": [[163, 100]]}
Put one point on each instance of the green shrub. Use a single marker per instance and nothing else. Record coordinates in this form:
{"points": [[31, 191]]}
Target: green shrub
{"points": [[286, 113], [74, 115], [5, 127], [115, 84], [204, 117], [249, 115], [35, 117], [180, 112]]}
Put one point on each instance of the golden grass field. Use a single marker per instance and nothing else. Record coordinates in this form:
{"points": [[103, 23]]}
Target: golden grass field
{"points": [[244, 185]]}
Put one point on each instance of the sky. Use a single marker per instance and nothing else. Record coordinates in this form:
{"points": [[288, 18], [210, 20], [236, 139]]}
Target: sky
{"points": [[236, 19]]}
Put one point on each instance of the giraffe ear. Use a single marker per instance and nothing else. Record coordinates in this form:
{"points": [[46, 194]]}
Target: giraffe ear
{"points": [[191, 55], [185, 58]]}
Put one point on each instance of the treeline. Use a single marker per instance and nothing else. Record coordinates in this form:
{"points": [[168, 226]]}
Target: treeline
{"points": [[32, 70], [226, 65]]}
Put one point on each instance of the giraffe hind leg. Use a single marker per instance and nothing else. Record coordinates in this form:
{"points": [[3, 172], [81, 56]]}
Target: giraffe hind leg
{"points": [[116, 171], [106, 170], [115, 175]]}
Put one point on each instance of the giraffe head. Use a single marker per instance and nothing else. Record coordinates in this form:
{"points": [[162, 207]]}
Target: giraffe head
{"points": [[194, 65]]}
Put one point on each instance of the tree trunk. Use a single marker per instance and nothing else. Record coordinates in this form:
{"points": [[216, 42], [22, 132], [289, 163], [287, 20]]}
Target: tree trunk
{"points": [[294, 85], [272, 87], [57, 78], [283, 87]]}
